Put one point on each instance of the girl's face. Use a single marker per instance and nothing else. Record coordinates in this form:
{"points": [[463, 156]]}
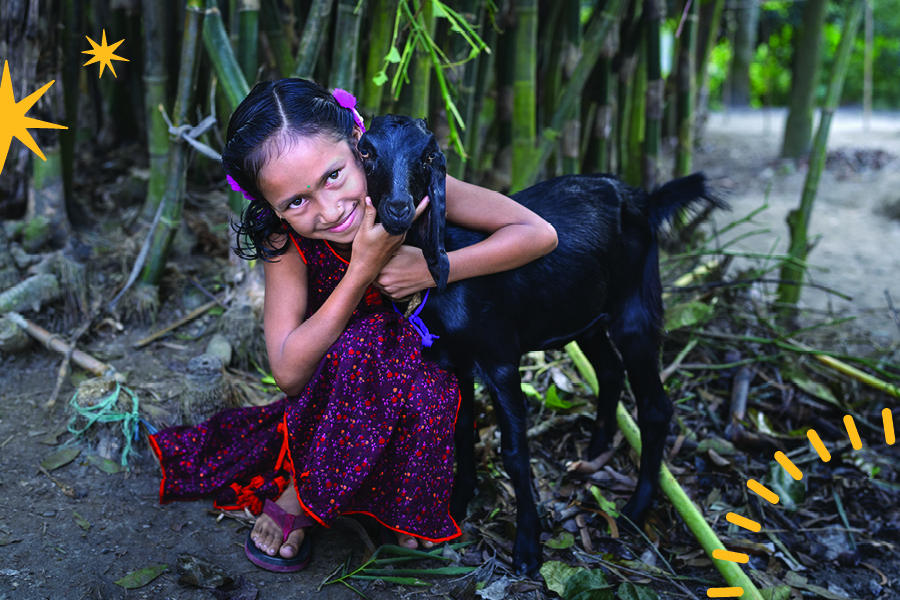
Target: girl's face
{"points": [[318, 187]]}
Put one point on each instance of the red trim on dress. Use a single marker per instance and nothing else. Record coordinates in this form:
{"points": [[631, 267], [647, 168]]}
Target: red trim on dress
{"points": [[155, 447], [303, 256], [340, 258]]}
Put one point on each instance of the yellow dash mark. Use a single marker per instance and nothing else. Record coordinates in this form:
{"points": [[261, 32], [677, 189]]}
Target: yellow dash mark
{"points": [[742, 522], [888, 426], [790, 467], [851, 431], [732, 592], [762, 490], [730, 556], [824, 454]]}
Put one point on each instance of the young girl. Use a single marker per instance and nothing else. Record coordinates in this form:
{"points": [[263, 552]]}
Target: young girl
{"points": [[367, 423]]}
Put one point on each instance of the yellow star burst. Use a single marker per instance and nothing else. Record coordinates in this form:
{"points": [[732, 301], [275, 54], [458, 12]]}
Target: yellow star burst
{"points": [[104, 54], [13, 122]]}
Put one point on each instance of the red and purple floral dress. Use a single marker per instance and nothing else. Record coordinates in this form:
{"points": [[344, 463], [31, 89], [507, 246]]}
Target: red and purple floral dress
{"points": [[371, 433]]}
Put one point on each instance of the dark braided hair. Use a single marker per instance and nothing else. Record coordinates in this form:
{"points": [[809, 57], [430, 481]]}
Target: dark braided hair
{"points": [[273, 114]]}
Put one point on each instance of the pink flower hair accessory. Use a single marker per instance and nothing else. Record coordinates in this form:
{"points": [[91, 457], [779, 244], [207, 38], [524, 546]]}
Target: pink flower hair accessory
{"points": [[347, 100], [236, 187]]}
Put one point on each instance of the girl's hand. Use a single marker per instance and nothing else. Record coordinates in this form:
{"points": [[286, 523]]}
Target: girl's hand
{"points": [[373, 247], [406, 272]]}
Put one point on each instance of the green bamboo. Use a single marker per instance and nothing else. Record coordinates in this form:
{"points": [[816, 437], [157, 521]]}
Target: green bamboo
{"points": [[467, 75], [571, 135], [692, 515], [653, 10], [524, 88], [798, 220], [637, 121], [346, 44], [804, 80], [687, 83], [170, 220], [712, 36], [421, 66], [380, 34], [73, 19], [218, 48], [279, 32], [553, 46], [314, 30], [623, 117], [592, 44], [248, 39], [49, 200], [504, 68], [156, 79], [604, 120], [474, 141]]}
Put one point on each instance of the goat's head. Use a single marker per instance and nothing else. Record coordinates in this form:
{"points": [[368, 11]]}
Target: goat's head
{"points": [[403, 165]]}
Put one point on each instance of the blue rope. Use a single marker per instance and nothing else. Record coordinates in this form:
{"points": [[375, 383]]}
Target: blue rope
{"points": [[418, 324], [105, 412]]}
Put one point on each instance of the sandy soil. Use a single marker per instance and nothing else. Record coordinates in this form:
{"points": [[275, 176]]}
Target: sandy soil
{"points": [[859, 245]]}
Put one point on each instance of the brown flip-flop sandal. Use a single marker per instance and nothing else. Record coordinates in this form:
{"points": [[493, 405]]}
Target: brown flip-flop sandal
{"points": [[288, 523]]}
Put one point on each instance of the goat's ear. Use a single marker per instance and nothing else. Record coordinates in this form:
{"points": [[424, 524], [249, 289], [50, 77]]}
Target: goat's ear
{"points": [[432, 221]]}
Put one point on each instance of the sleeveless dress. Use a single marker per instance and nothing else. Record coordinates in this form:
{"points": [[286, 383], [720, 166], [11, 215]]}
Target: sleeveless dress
{"points": [[371, 433]]}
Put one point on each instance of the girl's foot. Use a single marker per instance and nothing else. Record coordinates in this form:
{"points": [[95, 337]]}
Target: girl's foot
{"points": [[408, 541], [267, 535]]}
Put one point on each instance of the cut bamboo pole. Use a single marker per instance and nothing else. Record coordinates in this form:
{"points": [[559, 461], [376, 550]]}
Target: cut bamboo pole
{"points": [[798, 220], [156, 78], [688, 510]]}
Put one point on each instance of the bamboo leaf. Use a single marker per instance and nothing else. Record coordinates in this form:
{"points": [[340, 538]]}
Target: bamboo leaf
{"points": [[687, 314], [400, 580], [142, 577], [565, 540], [393, 56], [415, 572], [80, 521], [60, 458], [105, 465], [629, 591], [554, 401], [606, 506]]}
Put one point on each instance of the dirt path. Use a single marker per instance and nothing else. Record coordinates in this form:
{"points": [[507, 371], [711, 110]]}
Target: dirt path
{"points": [[860, 244]]}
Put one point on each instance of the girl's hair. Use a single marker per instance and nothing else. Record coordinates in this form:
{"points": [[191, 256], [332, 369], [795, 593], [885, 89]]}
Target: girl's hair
{"points": [[272, 116]]}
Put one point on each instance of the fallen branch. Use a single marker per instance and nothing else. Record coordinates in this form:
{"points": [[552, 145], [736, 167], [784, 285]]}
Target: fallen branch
{"points": [[52, 341], [692, 516], [190, 317], [853, 372]]}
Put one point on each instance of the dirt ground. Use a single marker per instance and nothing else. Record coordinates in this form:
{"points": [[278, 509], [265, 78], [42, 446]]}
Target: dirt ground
{"points": [[45, 553]]}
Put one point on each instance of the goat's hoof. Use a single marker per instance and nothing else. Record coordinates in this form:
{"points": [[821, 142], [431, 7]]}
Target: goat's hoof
{"points": [[631, 520], [532, 572]]}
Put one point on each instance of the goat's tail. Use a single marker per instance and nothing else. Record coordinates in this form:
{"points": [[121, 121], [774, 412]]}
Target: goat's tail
{"points": [[678, 194]]}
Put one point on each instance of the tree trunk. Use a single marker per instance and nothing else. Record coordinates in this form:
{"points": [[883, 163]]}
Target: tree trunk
{"points": [[747, 15], [793, 268], [178, 154], [804, 80], [346, 44], [314, 30]]}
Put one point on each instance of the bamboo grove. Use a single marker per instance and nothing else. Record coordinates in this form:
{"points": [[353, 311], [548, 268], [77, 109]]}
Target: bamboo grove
{"points": [[516, 90]]}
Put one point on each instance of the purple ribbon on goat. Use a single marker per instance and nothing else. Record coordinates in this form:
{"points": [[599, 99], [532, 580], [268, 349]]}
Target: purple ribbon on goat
{"points": [[418, 324]]}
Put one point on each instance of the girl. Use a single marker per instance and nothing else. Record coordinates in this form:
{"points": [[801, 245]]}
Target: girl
{"points": [[367, 423]]}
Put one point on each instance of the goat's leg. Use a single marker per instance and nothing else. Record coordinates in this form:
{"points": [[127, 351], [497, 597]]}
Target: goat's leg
{"points": [[611, 379], [464, 438], [505, 387], [639, 353]]}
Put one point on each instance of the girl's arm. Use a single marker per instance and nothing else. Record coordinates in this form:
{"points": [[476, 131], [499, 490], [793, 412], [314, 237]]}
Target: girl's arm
{"points": [[295, 344], [516, 236]]}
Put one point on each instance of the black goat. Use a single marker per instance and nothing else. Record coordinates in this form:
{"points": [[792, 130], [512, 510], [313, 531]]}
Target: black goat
{"points": [[604, 274]]}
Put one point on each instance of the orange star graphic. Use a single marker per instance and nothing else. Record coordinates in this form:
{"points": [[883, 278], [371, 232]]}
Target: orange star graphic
{"points": [[13, 122], [104, 54]]}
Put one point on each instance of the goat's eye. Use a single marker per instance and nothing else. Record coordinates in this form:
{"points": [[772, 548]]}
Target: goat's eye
{"points": [[432, 157], [364, 154]]}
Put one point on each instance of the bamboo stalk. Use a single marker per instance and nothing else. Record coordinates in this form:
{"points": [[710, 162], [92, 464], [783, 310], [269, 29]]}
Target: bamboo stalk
{"points": [[571, 134], [186, 319], [655, 86], [636, 123], [798, 220], [467, 75], [73, 19], [421, 65], [314, 30], [524, 87], [279, 31], [688, 510], [380, 33], [346, 44], [218, 48], [178, 154], [474, 140], [248, 38], [504, 69], [553, 47], [156, 78], [592, 44], [687, 83], [850, 371]]}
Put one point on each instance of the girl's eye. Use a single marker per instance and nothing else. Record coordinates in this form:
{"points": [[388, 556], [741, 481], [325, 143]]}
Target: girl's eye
{"points": [[334, 175], [297, 202]]}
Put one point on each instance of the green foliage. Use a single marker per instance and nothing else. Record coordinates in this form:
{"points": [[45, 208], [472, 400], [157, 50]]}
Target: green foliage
{"points": [[719, 62], [770, 72]]}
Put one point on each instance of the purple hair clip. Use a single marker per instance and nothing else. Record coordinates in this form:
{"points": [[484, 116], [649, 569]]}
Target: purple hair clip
{"points": [[346, 99], [236, 187]]}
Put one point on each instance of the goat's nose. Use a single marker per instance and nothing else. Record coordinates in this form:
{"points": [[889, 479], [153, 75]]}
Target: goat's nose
{"points": [[399, 212]]}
